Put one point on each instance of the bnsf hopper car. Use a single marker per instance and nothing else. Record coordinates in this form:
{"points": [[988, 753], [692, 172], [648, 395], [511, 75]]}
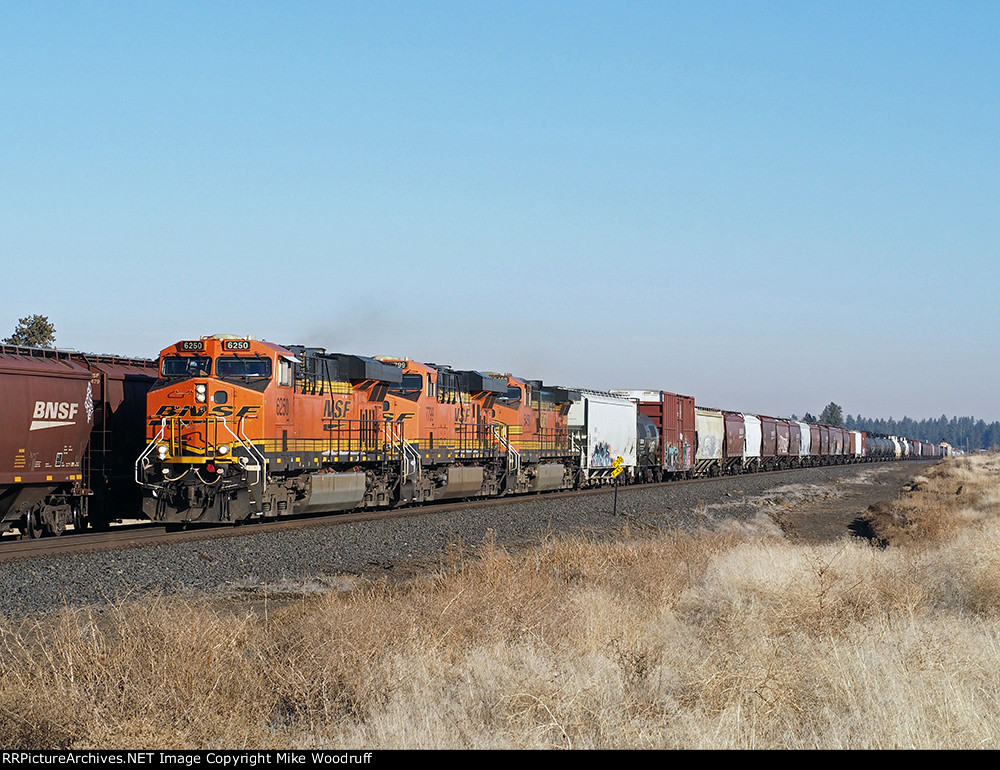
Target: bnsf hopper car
{"points": [[68, 423]]}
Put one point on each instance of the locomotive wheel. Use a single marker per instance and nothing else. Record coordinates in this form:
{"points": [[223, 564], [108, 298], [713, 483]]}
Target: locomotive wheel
{"points": [[33, 525]]}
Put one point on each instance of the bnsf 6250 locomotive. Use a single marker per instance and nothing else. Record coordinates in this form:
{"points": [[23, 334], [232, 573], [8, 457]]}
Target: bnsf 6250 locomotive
{"points": [[239, 427]]}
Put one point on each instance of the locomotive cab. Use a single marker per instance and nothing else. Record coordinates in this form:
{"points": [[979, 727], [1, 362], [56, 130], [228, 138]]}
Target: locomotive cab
{"points": [[205, 413]]}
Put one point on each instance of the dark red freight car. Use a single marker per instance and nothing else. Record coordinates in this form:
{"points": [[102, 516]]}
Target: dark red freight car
{"points": [[69, 424], [735, 445], [673, 416], [768, 443], [785, 444]]}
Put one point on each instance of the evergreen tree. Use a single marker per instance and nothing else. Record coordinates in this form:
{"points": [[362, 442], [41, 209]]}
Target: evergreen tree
{"points": [[832, 414], [33, 331]]}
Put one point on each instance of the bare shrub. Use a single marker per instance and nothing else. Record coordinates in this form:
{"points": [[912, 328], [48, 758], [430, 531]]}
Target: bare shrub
{"points": [[150, 673], [954, 494]]}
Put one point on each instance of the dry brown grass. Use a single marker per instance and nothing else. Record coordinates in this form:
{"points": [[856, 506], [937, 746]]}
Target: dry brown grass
{"points": [[955, 494], [716, 640]]}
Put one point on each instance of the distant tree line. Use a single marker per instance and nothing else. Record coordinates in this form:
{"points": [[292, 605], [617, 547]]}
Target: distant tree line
{"points": [[961, 432]]}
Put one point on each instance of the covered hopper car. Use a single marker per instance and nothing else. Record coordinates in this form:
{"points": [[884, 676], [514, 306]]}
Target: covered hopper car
{"points": [[68, 423]]}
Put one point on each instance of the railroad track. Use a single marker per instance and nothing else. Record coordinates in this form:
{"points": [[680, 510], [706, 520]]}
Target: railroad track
{"points": [[145, 534]]}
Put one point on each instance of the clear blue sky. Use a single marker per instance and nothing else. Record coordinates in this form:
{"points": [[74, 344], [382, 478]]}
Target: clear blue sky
{"points": [[769, 206]]}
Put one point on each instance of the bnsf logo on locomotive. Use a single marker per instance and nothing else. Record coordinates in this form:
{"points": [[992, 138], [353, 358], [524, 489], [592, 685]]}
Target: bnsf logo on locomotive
{"points": [[53, 414], [201, 411]]}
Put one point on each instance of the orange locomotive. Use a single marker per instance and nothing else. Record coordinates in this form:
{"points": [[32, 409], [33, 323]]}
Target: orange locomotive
{"points": [[536, 423], [239, 427], [479, 434]]}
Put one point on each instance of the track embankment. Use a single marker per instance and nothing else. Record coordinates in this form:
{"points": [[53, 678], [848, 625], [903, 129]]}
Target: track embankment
{"points": [[811, 505]]}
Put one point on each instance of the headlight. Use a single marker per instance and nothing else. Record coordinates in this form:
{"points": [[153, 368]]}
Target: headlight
{"points": [[201, 388], [161, 451], [222, 449], [199, 397]]}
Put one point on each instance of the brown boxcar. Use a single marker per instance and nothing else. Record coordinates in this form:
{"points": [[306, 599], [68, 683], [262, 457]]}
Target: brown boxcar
{"points": [[673, 416], [735, 443]]}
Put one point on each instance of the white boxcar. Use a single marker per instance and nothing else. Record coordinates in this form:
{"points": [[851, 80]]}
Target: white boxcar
{"points": [[710, 434], [857, 444], [603, 427], [754, 436], [805, 445]]}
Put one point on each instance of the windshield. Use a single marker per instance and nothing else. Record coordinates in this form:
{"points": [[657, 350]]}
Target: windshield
{"points": [[243, 367], [411, 386], [186, 366]]}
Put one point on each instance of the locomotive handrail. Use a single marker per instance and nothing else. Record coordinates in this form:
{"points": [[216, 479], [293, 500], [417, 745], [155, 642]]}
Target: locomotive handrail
{"points": [[146, 451], [261, 462], [513, 456], [248, 445], [409, 456]]}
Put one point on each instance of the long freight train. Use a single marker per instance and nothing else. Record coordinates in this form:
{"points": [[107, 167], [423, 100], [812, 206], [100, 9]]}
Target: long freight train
{"points": [[238, 428]]}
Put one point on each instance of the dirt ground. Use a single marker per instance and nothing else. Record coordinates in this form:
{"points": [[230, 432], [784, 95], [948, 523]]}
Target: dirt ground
{"points": [[818, 513]]}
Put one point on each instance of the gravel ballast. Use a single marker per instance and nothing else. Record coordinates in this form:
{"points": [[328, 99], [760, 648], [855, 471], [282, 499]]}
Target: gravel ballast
{"points": [[322, 558]]}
